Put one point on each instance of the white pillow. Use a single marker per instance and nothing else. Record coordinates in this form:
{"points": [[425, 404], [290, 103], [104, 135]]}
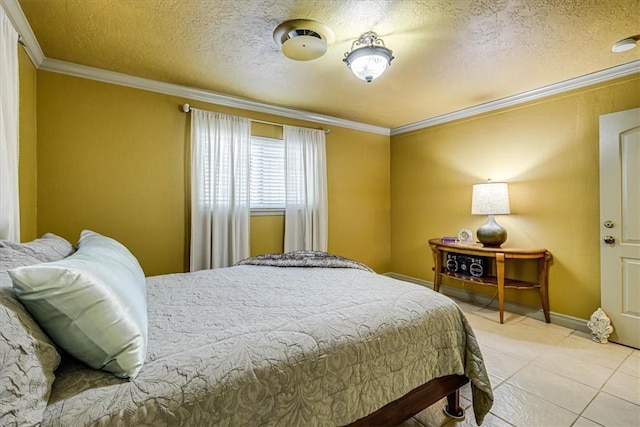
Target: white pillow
{"points": [[92, 304]]}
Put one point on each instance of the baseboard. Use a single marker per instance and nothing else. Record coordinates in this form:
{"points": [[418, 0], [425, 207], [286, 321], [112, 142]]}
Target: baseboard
{"points": [[480, 299]]}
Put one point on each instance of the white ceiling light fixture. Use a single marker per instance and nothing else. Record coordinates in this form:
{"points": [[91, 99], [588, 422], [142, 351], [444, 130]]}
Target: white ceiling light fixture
{"points": [[369, 57], [303, 39], [625, 44]]}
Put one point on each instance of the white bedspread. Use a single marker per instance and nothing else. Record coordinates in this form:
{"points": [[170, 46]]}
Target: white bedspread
{"points": [[251, 345]]}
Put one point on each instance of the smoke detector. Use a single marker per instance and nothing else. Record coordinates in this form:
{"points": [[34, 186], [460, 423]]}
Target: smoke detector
{"points": [[625, 45], [303, 39]]}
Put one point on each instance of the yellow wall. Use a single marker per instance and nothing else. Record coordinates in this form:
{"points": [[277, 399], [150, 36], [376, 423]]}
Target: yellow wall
{"points": [[548, 153], [358, 186], [267, 234], [115, 160], [27, 167]]}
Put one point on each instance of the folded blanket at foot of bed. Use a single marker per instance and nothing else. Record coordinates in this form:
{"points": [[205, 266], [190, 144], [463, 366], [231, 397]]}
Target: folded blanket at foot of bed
{"points": [[304, 259]]}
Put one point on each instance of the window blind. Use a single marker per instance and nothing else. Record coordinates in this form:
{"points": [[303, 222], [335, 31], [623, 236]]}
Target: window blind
{"points": [[267, 173]]}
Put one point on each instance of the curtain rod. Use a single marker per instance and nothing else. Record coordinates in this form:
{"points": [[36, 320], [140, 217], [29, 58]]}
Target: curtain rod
{"points": [[187, 108]]}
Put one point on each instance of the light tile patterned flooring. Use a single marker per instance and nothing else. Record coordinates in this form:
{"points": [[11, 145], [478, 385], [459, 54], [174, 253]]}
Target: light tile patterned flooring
{"points": [[544, 375]]}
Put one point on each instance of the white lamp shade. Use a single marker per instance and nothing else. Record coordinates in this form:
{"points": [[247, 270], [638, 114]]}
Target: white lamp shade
{"points": [[490, 198]]}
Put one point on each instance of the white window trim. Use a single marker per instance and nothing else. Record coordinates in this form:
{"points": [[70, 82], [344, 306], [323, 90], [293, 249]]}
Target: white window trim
{"points": [[267, 212]]}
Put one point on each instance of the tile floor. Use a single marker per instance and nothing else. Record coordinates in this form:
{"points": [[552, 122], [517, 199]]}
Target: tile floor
{"points": [[544, 375]]}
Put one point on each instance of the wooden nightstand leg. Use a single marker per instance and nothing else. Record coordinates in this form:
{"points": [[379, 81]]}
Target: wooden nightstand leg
{"points": [[500, 277], [543, 279], [437, 269]]}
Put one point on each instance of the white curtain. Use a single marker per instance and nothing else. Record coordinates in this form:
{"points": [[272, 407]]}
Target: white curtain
{"points": [[306, 189], [220, 157], [9, 203]]}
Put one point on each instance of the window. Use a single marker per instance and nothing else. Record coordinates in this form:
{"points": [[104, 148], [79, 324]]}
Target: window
{"points": [[267, 175]]}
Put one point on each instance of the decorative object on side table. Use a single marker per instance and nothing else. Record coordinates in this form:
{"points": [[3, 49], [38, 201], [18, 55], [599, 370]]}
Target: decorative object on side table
{"points": [[474, 266], [600, 326], [491, 198], [465, 236]]}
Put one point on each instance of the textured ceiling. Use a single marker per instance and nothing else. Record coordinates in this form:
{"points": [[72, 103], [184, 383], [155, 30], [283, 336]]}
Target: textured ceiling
{"points": [[450, 54]]}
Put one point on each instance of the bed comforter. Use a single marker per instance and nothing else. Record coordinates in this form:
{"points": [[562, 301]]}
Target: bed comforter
{"points": [[257, 345]]}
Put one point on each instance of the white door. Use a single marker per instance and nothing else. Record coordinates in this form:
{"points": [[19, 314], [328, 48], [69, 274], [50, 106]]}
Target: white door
{"points": [[620, 223]]}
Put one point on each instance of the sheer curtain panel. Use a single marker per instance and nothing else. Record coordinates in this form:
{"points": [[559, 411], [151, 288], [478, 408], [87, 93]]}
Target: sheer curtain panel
{"points": [[220, 153], [306, 189], [9, 203]]}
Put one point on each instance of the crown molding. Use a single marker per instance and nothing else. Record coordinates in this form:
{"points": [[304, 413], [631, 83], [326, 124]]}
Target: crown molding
{"points": [[553, 89], [21, 25], [190, 93], [32, 47]]}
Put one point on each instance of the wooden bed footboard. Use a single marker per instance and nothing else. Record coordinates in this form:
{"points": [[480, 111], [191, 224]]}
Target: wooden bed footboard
{"points": [[416, 400]]}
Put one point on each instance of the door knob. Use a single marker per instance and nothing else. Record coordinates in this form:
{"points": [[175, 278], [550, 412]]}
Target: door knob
{"points": [[609, 240]]}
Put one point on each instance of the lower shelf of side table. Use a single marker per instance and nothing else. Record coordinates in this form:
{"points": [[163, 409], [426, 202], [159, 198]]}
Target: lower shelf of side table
{"points": [[491, 281]]}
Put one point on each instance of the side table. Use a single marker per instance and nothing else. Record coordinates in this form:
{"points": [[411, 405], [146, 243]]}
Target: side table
{"points": [[500, 257]]}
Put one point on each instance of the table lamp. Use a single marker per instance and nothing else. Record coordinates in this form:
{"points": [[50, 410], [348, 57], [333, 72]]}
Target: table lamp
{"points": [[491, 198]]}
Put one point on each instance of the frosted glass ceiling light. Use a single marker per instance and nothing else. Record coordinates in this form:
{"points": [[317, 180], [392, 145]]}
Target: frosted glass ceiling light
{"points": [[369, 57]]}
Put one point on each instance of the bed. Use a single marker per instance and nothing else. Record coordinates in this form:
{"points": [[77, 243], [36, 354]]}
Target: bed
{"points": [[272, 342]]}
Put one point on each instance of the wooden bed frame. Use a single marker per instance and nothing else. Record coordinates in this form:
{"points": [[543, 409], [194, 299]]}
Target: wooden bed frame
{"points": [[398, 411]]}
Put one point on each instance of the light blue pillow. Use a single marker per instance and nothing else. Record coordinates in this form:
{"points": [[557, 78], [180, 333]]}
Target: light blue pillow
{"points": [[93, 304]]}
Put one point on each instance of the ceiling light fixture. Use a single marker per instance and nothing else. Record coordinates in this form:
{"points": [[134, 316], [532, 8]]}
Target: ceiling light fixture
{"points": [[369, 57], [303, 39], [625, 44]]}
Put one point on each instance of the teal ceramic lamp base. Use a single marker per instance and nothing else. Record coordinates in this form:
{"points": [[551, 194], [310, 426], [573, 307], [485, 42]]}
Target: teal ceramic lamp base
{"points": [[491, 234]]}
